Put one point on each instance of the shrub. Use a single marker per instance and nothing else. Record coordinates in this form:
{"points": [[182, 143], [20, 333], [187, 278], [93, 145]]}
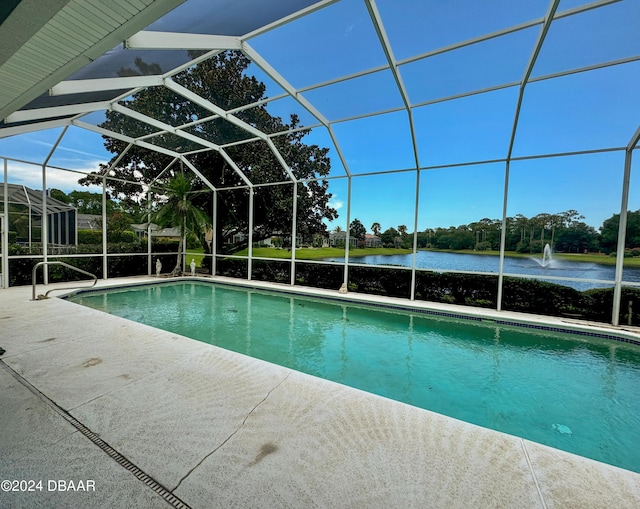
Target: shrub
{"points": [[58, 273], [122, 236], [463, 289], [319, 275], [601, 305], [123, 266], [381, 281], [278, 272], [165, 246], [126, 247], [541, 297], [89, 237], [232, 267]]}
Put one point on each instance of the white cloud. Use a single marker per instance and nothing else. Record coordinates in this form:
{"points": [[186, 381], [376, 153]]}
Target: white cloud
{"points": [[336, 203], [30, 175], [63, 148]]}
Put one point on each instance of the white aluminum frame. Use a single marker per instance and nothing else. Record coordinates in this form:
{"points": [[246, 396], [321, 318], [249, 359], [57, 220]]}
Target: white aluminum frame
{"points": [[36, 119]]}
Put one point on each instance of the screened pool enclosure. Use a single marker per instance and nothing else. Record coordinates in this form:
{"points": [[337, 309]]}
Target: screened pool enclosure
{"points": [[475, 153]]}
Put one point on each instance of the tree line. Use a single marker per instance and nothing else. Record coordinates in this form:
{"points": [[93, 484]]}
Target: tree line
{"points": [[564, 231]]}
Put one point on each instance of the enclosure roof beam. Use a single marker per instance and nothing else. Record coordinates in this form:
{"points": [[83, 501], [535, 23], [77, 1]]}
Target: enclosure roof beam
{"points": [[149, 40], [288, 19], [165, 169], [57, 111], [208, 105], [173, 130], [445, 49], [523, 83], [191, 63], [162, 126], [622, 228], [529, 69], [195, 170], [7, 132], [393, 66], [93, 85], [124, 137], [55, 145], [257, 59], [506, 31], [118, 159], [280, 159], [280, 80], [236, 168], [634, 140]]}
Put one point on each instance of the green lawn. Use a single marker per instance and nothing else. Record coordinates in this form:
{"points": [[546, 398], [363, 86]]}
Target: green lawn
{"points": [[597, 258], [334, 252], [319, 253], [197, 255]]}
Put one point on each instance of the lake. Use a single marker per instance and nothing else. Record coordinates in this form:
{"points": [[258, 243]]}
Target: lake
{"points": [[443, 261]]}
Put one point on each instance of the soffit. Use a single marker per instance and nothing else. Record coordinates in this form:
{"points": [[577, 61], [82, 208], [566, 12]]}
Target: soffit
{"points": [[45, 42]]}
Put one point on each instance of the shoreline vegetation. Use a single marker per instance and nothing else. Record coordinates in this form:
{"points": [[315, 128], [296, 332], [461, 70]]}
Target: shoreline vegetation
{"points": [[333, 252]]}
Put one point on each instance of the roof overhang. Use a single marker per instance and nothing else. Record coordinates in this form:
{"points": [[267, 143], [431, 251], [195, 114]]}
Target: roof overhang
{"points": [[45, 42]]}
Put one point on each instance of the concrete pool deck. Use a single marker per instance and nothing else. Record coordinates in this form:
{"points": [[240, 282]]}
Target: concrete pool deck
{"points": [[154, 419]]}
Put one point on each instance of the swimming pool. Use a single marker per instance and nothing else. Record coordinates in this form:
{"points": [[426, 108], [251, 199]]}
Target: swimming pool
{"points": [[571, 392]]}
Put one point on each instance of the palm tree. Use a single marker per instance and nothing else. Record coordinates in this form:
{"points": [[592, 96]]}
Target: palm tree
{"points": [[376, 228], [178, 210]]}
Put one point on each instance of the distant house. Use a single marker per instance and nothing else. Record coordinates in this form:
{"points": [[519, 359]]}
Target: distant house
{"points": [[372, 240], [278, 239], [172, 233], [141, 229], [338, 239], [237, 238], [25, 214], [89, 222]]}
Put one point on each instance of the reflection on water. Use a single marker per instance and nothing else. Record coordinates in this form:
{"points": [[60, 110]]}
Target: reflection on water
{"points": [[533, 384], [440, 261]]}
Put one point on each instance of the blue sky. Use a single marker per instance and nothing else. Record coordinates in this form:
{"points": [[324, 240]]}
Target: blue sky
{"points": [[591, 110]]}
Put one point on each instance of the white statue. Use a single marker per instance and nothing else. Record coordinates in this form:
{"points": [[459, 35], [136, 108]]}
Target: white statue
{"points": [[343, 288], [193, 266], [158, 267]]}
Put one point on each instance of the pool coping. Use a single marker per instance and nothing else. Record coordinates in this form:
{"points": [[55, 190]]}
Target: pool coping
{"points": [[396, 455], [512, 319]]}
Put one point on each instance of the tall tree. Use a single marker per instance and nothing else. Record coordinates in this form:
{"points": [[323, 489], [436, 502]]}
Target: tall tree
{"points": [[178, 210], [357, 231], [578, 238], [609, 232], [223, 81], [391, 238], [376, 228], [59, 195]]}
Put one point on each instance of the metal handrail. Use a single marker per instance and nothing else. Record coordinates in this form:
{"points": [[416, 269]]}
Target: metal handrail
{"points": [[46, 295]]}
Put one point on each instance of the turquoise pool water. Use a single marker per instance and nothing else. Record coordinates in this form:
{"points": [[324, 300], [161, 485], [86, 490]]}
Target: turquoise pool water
{"points": [[578, 394]]}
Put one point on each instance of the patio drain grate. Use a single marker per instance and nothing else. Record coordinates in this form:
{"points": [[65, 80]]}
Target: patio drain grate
{"points": [[140, 474]]}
